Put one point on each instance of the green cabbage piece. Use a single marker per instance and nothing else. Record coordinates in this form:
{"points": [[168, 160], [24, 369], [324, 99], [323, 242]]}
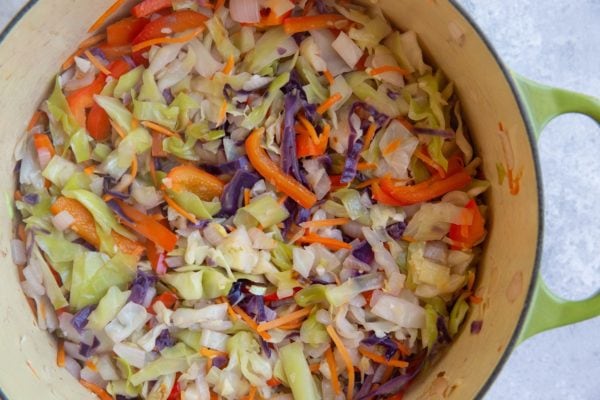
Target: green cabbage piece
{"points": [[312, 294], [221, 38], [94, 273], [101, 151], [341, 294], [312, 331], [265, 50], [307, 73], [185, 104], [258, 114], [297, 371], [80, 144], [407, 51], [281, 255], [350, 198], [378, 99], [159, 113], [116, 111], [173, 359], [457, 315], [206, 283], [244, 354], [264, 210], [79, 180], [53, 291], [177, 147], [61, 253], [128, 81], [191, 338], [435, 150], [149, 90], [193, 204], [59, 170], [108, 308], [430, 333], [201, 131]]}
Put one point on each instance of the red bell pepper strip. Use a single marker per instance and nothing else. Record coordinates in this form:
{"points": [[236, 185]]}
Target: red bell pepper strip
{"points": [[122, 32], [382, 197], [148, 7], [261, 161], [175, 392], [98, 123], [306, 146], [157, 258], [192, 179], [167, 298], [426, 190], [147, 226], [176, 22], [466, 235]]}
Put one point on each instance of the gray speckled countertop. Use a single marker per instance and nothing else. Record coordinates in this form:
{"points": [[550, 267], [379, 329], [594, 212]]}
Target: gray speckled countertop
{"points": [[556, 42]]}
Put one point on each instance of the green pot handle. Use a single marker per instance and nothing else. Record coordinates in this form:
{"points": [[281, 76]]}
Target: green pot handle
{"points": [[543, 103]]}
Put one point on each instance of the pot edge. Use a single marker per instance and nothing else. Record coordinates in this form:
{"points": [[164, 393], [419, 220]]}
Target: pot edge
{"points": [[530, 134]]}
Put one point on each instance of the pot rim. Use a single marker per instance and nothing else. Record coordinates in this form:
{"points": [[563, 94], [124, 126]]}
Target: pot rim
{"points": [[536, 162]]}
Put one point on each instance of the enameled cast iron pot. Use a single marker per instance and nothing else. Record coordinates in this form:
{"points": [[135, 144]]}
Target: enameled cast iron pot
{"points": [[516, 302]]}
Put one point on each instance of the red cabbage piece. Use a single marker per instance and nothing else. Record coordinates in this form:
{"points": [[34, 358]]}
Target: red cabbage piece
{"points": [[220, 362], [164, 339], [255, 307], [228, 167], [390, 346], [233, 193], [396, 230], [168, 95], [118, 210], [443, 334], [86, 350], [364, 252], [476, 327], [31, 198], [108, 183], [80, 319], [365, 387], [289, 161], [266, 348], [140, 285]]}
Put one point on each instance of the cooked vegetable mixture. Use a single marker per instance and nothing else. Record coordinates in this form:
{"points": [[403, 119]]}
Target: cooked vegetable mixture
{"points": [[252, 199]]}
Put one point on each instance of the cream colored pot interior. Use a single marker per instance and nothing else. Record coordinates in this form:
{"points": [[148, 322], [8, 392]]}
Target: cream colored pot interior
{"points": [[31, 55]]}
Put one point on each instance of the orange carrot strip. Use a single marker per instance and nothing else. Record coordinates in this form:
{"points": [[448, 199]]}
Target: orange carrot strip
{"points": [[365, 166], [347, 360], [325, 222], [330, 243], [96, 62], [246, 196], [370, 135], [210, 353], [90, 170], [158, 128], [292, 325], [328, 103], [179, 210], [328, 76], [261, 161], [314, 367], [252, 393], [118, 129], [310, 129], [335, 383], [265, 326], [389, 370], [229, 66], [60, 354], [232, 315], [273, 382], [91, 41], [251, 323], [379, 359], [167, 40], [390, 148], [97, 390], [388, 68], [111, 10], [302, 24]]}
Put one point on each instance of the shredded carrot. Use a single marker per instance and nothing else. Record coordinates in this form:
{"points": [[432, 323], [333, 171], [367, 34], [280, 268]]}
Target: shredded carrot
{"points": [[325, 222], [388, 68], [252, 393], [409, 239], [118, 129], [90, 170], [158, 128], [134, 167], [310, 129], [314, 367], [21, 233], [429, 161], [347, 360], [251, 323], [273, 382], [60, 354], [210, 353], [402, 348], [387, 374], [332, 244], [291, 326], [328, 103], [111, 10], [365, 166], [91, 41], [366, 183], [168, 40], [407, 124], [97, 390], [296, 315], [229, 66], [390, 148], [471, 280], [222, 113], [96, 62], [378, 358], [34, 120], [246, 196], [232, 315], [370, 135], [90, 364], [335, 383], [328, 76], [135, 123], [179, 210]]}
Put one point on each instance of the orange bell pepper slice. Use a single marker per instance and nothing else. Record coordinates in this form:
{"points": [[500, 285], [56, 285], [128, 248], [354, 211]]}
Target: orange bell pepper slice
{"points": [[192, 179], [124, 31], [466, 235], [176, 22], [148, 7], [426, 190], [261, 161], [85, 226]]}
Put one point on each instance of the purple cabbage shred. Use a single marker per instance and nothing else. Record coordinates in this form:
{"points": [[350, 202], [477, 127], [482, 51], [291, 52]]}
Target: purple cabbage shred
{"points": [[396, 230], [118, 210], [364, 252], [140, 285], [164, 340], [476, 327], [80, 319], [31, 198], [232, 196], [86, 350]]}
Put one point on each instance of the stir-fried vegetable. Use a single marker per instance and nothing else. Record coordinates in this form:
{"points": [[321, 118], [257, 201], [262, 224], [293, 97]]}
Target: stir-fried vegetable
{"points": [[249, 199]]}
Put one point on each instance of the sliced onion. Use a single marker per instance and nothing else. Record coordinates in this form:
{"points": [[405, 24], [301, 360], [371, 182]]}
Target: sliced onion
{"points": [[18, 251], [73, 367], [62, 220], [132, 354], [436, 251], [246, 11], [174, 262], [347, 49]]}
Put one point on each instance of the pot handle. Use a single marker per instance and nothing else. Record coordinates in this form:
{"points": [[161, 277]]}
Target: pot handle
{"points": [[543, 103]]}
